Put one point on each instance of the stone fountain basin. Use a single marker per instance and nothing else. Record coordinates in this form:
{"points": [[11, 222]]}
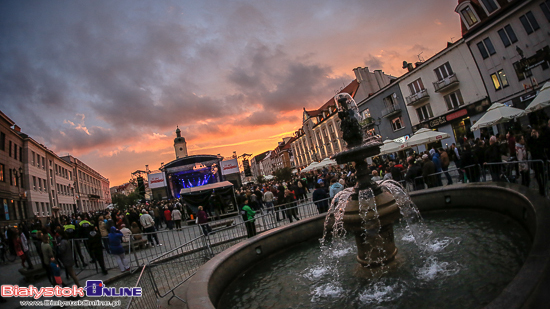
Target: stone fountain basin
{"points": [[529, 288]]}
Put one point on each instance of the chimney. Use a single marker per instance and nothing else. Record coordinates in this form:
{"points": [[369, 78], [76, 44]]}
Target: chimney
{"points": [[408, 66], [417, 64], [358, 74], [16, 128]]}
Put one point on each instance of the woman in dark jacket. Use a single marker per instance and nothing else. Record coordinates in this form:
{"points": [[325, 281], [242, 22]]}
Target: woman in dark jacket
{"points": [[492, 155], [115, 246], [202, 219]]}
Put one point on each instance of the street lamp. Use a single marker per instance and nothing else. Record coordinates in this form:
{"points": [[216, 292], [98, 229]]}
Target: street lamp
{"points": [[377, 122]]}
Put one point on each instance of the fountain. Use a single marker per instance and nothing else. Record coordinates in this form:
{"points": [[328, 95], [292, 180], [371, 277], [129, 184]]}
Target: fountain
{"points": [[369, 211], [372, 226]]}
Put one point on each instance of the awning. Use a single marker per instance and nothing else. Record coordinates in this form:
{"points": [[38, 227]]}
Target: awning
{"points": [[423, 136], [541, 101], [208, 187]]}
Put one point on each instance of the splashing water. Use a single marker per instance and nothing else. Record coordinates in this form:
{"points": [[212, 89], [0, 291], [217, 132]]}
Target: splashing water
{"points": [[381, 292], [433, 269]]}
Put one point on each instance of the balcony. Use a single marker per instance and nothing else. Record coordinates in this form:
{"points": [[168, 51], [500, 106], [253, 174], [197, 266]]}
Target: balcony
{"points": [[446, 83], [418, 97], [367, 122], [391, 110]]}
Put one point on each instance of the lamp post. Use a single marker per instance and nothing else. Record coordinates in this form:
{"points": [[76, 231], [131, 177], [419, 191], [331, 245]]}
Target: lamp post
{"points": [[377, 122], [18, 174]]}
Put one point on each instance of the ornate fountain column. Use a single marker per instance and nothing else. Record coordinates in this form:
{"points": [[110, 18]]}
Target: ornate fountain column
{"points": [[372, 226]]}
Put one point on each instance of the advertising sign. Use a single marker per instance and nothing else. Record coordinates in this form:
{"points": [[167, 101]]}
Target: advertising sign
{"points": [[229, 167], [156, 180]]}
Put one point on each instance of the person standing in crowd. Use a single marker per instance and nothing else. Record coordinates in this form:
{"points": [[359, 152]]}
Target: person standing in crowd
{"points": [[537, 147], [115, 245], [468, 162], [47, 255], [280, 203], [335, 187], [437, 163], [66, 256], [492, 155], [104, 231], [268, 200], [249, 222], [300, 190], [95, 240], [319, 197], [290, 201], [156, 212], [456, 159], [202, 220], [521, 154], [176, 218], [444, 159], [375, 175], [428, 168], [21, 246], [126, 233], [168, 217], [149, 227]]}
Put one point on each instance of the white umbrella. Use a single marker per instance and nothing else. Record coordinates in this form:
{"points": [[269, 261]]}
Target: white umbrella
{"points": [[325, 162], [423, 136], [390, 146], [310, 167], [269, 177], [541, 101], [497, 113]]}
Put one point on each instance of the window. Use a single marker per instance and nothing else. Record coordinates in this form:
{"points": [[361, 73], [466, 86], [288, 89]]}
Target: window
{"points": [[499, 80], [469, 16], [20, 154], [366, 114], [11, 177], [33, 158], [3, 141], [454, 100], [545, 7], [43, 163], [2, 172], [424, 112], [10, 149], [34, 182], [14, 151], [490, 5], [443, 71], [507, 35], [416, 86], [397, 124], [529, 22], [486, 48]]}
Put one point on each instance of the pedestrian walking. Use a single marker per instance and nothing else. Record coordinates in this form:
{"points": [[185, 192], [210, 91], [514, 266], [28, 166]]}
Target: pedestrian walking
{"points": [[149, 227]]}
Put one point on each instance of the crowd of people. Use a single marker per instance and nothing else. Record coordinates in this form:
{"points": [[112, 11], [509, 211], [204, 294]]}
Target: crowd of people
{"points": [[108, 230]]}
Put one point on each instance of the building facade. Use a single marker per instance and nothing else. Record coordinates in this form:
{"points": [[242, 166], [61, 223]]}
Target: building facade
{"points": [[385, 114], [88, 186], [509, 41], [445, 93]]}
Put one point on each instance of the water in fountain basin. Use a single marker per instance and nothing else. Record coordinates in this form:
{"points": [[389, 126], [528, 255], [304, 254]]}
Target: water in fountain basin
{"points": [[457, 276]]}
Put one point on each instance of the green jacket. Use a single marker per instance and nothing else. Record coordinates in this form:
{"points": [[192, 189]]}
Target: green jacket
{"points": [[249, 213]]}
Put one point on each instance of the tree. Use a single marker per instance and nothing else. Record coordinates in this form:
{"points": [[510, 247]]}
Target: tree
{"points": [[260, 179], [283, 174], [122, 201]]}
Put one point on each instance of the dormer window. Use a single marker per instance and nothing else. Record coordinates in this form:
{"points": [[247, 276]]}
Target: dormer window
{"points": [[468, 14], [490, 6]]}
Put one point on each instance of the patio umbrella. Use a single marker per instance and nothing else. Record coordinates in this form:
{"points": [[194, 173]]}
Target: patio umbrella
{"points": [[497, 113], [541, 101], [390, 146], [310, 167], [423, 136], [269, 177], [325, 162]]}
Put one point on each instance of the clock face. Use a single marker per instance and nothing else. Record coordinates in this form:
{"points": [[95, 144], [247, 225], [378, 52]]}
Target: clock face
{"points": [[181, 149]]}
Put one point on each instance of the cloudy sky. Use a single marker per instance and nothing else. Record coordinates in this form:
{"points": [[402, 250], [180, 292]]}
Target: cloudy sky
{"points": [[109, 81]]}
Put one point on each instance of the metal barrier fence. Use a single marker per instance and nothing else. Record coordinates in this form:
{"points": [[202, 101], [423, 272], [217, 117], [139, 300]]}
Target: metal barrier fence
{"points": [[148, 297], [174, 267], [535, 175]]}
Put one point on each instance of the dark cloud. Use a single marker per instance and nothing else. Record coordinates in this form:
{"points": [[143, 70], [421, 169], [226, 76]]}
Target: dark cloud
{"points": [[373, 62]]}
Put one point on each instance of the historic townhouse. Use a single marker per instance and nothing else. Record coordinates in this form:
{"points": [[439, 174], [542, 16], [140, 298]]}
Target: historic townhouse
{"points": [[509, 41], [445, 93]]}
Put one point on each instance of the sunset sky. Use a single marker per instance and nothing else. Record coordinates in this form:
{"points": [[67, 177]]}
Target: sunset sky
{"points": [[109, 81]]}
